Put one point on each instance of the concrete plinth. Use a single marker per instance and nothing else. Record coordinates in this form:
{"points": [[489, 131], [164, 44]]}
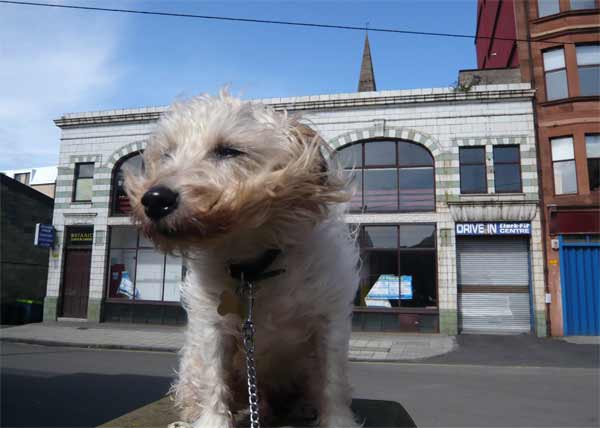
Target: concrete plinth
{"points": [[375, 413]]}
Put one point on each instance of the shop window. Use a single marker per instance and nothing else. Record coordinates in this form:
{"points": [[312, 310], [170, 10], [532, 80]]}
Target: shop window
{"points": [[398, 266], [23, 178], [592, 147], [138, 271], [473, 178], [555, 74], [84, 177], [507, 169], [120, 201], [548, 7], [389, 176], [563, 163], [588, 67], [583, 4]]}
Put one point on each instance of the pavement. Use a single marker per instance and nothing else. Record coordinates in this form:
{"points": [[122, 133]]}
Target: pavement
{"points": [[363, 346]]}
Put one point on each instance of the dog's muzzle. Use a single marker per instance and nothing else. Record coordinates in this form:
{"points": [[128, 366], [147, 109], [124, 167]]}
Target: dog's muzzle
{"points": [[159, 202]]}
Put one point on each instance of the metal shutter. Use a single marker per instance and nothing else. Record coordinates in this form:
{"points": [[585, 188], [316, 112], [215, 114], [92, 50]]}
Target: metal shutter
{"points": [[493, 284]]}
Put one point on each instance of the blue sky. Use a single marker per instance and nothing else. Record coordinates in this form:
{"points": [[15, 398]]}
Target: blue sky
{"points": [[54, 61]]}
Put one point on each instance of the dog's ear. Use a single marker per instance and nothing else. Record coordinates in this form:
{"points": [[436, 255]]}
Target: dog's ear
{"points": [[311, 140]]}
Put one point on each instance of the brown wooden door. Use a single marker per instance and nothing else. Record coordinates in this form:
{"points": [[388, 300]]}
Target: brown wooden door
{"points": [[76, 283]]}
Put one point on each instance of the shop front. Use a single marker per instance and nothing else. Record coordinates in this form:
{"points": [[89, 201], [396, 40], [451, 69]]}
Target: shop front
{"points": [[494, 277], [398, 285], [576, 240]]}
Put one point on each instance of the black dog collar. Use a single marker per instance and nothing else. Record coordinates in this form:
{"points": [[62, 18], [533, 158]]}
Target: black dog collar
{"points": [[254, 271]]}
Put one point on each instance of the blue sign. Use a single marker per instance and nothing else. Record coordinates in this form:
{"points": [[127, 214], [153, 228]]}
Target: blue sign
{"points": [[390, 287], [387, 287], [470, 229], [406, 288], [44, 235]]}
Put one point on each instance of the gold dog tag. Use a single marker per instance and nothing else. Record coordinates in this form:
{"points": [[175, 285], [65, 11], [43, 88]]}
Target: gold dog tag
{"points": [[230, 304]]}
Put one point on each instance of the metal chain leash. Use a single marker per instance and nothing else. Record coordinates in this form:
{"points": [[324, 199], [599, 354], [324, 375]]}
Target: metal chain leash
{"points": [[247, 290]]}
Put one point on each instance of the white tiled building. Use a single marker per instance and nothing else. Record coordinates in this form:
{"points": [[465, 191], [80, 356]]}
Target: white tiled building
{"points": [[485, 281]]}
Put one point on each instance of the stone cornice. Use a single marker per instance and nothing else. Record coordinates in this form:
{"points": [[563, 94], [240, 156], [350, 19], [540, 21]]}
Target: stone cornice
{"points": [[319, 102]]}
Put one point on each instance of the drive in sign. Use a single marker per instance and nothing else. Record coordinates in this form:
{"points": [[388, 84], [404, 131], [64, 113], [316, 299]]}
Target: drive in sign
{"points": [[515, 228]]}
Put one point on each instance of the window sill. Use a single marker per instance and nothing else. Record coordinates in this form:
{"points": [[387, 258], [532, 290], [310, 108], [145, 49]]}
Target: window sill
{"points": [[423, 310], [581, 99], [564, 14], [140, 302]]}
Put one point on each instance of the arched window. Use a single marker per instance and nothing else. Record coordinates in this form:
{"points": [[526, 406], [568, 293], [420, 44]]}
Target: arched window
{"points": [[120, 201], [390, 176]]}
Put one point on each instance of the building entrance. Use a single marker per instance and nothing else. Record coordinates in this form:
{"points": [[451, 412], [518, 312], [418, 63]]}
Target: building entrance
{"points": [[76, 279]]}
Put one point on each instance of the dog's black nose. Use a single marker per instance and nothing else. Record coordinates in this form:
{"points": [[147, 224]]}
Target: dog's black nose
{"points": [[159, 201]]}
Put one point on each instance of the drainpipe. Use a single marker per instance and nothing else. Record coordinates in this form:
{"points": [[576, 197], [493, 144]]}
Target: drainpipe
{"points": [[543, 220]]}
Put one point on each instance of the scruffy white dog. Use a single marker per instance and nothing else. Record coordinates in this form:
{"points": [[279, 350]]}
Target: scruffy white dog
{"points": [[228, 182]]}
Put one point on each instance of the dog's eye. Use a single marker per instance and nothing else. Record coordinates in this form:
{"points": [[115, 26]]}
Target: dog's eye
{"points": [[166, 156], [223, 152]]}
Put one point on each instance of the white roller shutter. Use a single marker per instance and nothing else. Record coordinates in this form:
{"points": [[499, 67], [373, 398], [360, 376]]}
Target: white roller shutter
{"points": [[493, 284]]}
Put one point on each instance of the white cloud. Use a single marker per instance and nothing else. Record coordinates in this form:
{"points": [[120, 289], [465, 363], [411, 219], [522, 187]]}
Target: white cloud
{"points": [[51, 62]]}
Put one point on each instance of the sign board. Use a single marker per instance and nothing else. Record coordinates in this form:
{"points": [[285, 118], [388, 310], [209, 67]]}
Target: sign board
{"points": [[391, 287], [471, 229], [80, 236], [406, 288], [44, 235]]}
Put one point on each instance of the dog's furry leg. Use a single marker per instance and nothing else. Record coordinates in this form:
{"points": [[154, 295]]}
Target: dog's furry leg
{"points": [[202, 391], [336, 396]]}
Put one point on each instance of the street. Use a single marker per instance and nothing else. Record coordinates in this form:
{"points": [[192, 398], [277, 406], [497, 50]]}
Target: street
{"points": [[55, 386]]}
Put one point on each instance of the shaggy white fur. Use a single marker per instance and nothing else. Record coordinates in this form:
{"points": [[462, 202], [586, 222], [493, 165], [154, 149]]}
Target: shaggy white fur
{"points": [[250, 179]]}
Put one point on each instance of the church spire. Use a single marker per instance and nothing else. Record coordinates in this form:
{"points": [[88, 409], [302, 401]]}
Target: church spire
{"points": [[367, 77]]}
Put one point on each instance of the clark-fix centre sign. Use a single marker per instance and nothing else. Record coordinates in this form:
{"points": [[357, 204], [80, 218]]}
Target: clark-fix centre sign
{"points": [[468, 229]]}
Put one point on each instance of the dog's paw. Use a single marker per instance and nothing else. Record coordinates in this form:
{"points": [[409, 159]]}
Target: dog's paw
{"points": [[214, 420]]}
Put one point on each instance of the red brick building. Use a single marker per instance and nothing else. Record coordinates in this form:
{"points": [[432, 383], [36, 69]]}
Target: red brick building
{"points": [[555, 44]]}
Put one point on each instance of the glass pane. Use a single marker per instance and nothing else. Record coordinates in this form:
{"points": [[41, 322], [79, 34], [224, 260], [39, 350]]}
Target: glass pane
{"points": [[547, 7], [507, 178], [121, 276], [472, 155], [562, 148], [173, 277], [121, 201], [556, 85], [377, 266], [592, 145], [85, 170], [380, 153], [355, 184], [554, 59], [565, 178], [145, 242], [417, 236], [416, 189], [589, 80], [418, 272], [350, 156], [381, 190], [594, 173], [83, 189], [413, 154], [506, 154], [588, 54], [123, 237], [149, 275], [380, 237], [473, 179], [583, 4]]}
